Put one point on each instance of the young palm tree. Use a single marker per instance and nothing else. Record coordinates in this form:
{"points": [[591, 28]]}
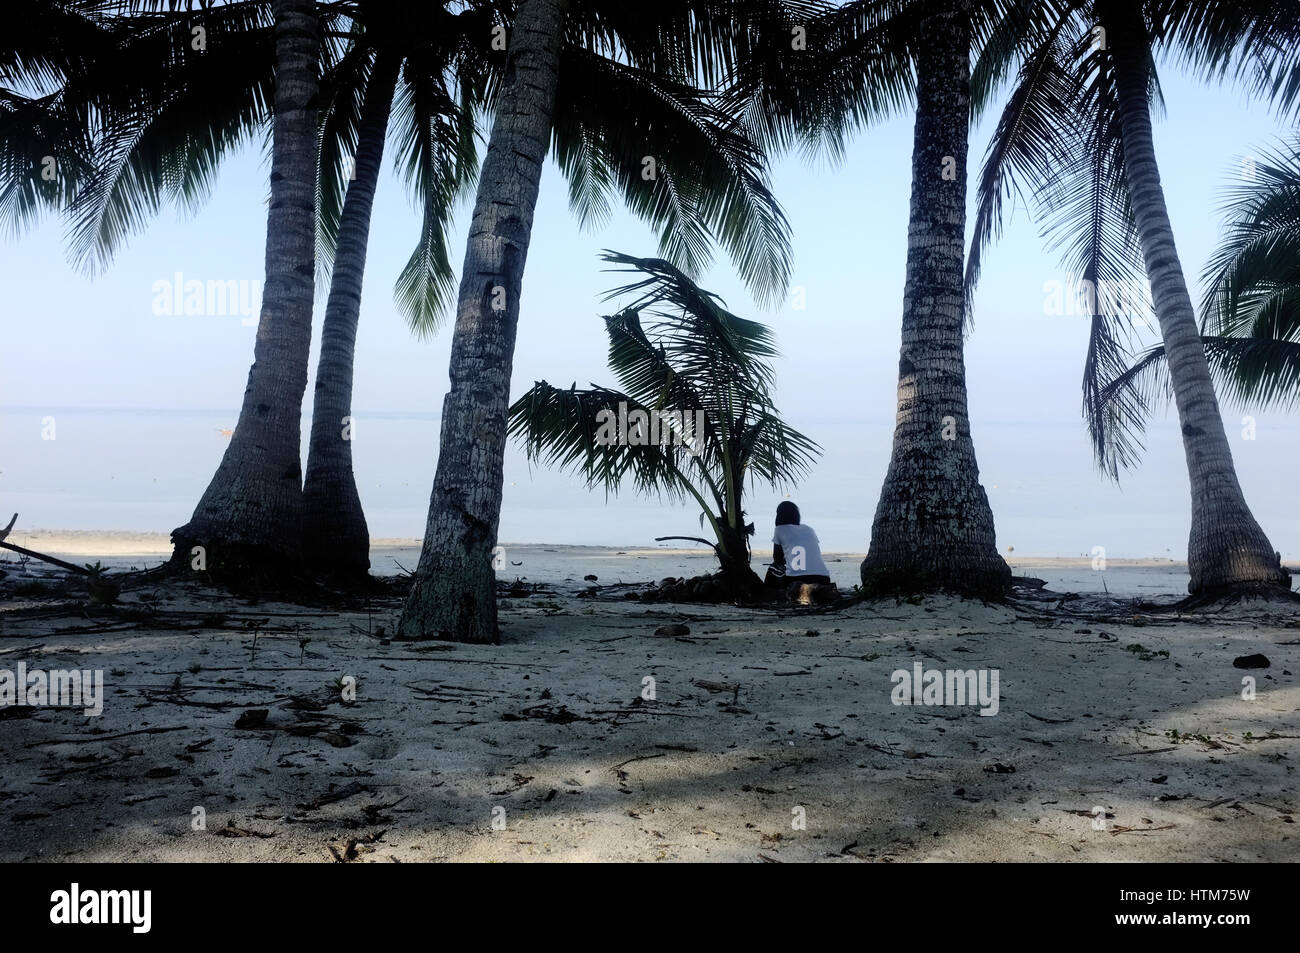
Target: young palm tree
{"points": [[1078, 128], [626, 89], [1250, 312], [704, 369]]}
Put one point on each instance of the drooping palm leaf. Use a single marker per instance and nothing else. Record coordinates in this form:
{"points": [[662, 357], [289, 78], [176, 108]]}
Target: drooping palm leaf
{"points": [[1058, 142], [1250, 319], [710, 181], [437, 155], [852, 69]]}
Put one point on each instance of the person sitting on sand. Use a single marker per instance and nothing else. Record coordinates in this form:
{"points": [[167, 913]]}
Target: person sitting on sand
{"points": [[796, 551]]}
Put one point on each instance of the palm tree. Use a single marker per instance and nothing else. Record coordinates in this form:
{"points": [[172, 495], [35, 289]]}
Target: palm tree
{"points": [[249, 520], [334, 531], [128, 108], [1250, 311], [697, 376], [426, 69], [933, 527], [1078, 128], [160, 131], [625, 88]]}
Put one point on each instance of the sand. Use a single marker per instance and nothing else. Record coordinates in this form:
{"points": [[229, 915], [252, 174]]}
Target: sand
{"points": [[769, 735]]}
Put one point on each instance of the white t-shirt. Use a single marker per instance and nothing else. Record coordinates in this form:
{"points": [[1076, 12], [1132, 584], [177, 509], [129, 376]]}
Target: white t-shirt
{"points": [[803, 552]]}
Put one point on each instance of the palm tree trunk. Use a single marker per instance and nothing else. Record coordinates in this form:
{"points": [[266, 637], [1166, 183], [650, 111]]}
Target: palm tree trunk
{"points": [[1227, 548], [336, 539], [249, 519], [933, 527], [454, 593], [737, 574]]}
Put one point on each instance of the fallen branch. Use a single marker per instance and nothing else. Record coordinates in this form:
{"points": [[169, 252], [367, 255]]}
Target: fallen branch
{"points": [[121, 734], [41, 556], [1130, 754], [643, 757], [694, 539]]}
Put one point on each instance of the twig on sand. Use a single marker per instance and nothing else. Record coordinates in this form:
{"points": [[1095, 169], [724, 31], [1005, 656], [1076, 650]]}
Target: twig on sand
{"points": [[640, 757], [120, 734], [23, 648], [1217, 803], [341, 794], [466, 661], [1130, 754], [642, 710]]}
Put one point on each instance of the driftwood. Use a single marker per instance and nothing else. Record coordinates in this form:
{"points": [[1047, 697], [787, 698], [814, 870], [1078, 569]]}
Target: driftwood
{"points": [[71, 567], [102, 589], [694, 539], [120, 734]]}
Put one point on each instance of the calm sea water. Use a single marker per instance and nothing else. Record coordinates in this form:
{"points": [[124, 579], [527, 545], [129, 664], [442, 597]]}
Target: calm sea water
{"points": [[144, 470]]}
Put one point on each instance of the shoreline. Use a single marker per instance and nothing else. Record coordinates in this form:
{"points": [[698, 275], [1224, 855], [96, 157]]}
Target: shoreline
{"points": [[125, 543]]}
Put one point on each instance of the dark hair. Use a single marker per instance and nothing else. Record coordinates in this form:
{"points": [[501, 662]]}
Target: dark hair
{"points": [[787, 514]]}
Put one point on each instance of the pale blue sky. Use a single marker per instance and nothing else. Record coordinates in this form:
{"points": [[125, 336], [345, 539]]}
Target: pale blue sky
{"points": [[76, 342]]}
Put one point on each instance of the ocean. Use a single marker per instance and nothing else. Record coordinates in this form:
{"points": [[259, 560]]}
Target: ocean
{"points": [[144, 470]]}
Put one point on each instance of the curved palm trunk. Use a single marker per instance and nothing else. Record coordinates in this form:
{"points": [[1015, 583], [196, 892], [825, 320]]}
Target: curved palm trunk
{"points": [[1227, 548], [335, 537], [249, 518], [933, 527], [454, 593]]}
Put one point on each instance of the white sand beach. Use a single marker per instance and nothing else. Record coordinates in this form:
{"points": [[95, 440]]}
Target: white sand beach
{"points": [[764, 735]]}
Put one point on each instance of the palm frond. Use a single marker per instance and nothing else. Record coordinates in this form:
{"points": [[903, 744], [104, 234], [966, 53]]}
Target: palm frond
{"points": [[342, 91], [437, 156], [853, 69], [1026, 143], [709, 181], [1253, 278], [695, 361], [145, 92], [559, 427]]}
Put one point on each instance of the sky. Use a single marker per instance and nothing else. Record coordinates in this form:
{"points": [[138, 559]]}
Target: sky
{"points": [[77, 343]]}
